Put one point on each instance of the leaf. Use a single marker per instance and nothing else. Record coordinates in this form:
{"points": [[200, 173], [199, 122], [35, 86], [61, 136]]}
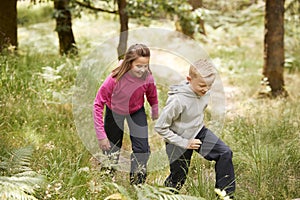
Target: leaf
{"points": [[116, 196], [19, 181], [121, 189]]}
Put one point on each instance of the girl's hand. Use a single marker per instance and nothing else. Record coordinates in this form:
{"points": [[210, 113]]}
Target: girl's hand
{"points": [[194, 144], [154, 117], [104, 144]]}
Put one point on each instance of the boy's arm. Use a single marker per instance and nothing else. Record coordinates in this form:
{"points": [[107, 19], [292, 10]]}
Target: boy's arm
{"points": [[170, 113]]}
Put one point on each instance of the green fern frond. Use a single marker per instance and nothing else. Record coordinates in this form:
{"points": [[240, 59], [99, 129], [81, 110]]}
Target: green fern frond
{"points": [[8, 192], [160, 193], [121, 189], [147, 192], [18, 161], [18, 180]]}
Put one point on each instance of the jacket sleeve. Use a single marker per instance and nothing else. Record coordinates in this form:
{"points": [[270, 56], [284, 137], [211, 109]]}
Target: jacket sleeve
{"points": [[103, 96], [171, 112], [151, 95]]}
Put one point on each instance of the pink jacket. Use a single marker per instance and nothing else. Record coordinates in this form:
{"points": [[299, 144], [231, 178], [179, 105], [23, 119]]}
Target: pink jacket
{"points": [[124, 97]]}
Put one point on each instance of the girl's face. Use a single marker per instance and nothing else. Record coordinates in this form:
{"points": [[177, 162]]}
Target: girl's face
{"points": [[139, 66]]}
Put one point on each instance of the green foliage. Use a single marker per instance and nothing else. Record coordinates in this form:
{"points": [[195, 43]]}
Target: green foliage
{"points": [[189, 20], [200, 182], [29, 13], [145, 11], [17, 179], [36, 87], [148, 192], [293, 9], [292, 34]]}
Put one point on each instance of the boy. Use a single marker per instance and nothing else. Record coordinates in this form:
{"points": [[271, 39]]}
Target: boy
{"points": [[181, 125]]}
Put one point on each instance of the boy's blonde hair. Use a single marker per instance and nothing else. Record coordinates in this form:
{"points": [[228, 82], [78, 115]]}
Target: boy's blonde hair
{"points": [[203, 68]]}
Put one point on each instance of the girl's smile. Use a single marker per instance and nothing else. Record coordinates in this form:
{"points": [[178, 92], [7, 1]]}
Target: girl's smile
{"points": [[139, 67]]}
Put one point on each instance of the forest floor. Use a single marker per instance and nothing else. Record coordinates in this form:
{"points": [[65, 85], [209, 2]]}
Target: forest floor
{"points": [[252, 128]]}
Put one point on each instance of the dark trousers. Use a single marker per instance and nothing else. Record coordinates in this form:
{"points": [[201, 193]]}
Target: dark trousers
{"points": [[212, 148], [138, 127]]}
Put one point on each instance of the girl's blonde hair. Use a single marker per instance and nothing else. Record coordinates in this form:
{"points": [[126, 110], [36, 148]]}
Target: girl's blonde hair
{"points": [[134, 51]]}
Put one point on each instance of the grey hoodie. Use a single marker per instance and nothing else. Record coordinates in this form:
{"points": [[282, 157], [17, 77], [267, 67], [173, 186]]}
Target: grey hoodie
{"points": [[182, 117]]}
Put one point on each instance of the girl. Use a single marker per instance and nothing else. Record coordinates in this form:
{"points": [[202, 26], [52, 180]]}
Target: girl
{"points": [[122, 93]]}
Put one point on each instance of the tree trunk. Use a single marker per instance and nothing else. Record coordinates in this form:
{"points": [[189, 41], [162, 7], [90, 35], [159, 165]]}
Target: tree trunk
{"points": [[274, 47], [64, 30], [124, 28], [198, 4], [8, 24]]}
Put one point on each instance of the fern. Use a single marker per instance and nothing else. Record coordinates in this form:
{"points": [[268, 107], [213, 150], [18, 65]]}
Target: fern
{"points": [[17, 179], [124, 192], [147, 192], [160, 193]]}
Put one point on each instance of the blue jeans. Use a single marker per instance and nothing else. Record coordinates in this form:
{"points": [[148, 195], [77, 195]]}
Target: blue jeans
{"points": [[138, 127], [212, 149]]}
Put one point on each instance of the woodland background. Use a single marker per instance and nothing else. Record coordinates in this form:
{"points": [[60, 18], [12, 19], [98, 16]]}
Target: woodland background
{"points": [[41, 153]]}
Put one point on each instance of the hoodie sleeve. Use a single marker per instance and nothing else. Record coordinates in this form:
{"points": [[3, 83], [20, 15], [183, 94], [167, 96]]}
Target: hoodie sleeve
{"points": [[170, 113], [151, 94], [102, 98]]}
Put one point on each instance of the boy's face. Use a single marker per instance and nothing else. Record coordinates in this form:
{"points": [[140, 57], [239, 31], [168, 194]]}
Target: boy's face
{"points": [[198, 85]]}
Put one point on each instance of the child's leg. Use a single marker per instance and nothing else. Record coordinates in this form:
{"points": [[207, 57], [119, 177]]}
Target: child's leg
{"points": [[138, 126], [114, 128], [213, 148], [179, 159]]}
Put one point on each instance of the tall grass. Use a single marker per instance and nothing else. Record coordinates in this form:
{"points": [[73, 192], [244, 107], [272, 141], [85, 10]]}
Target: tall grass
{"points": [[265, 140], [36, 109]]}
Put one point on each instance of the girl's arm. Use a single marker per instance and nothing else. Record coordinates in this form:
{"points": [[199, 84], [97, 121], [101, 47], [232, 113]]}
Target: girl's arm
{"points": [[102, 98]]}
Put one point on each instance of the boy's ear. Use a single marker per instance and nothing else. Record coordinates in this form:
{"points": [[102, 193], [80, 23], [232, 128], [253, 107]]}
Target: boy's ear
{"points": [[188, 78]]}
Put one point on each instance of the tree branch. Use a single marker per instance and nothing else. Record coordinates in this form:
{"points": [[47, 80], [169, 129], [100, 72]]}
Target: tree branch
{"points": [[89, 6]]}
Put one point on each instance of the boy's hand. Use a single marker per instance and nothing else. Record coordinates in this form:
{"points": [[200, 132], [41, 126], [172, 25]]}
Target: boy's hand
{"points": [[194, 144]]}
